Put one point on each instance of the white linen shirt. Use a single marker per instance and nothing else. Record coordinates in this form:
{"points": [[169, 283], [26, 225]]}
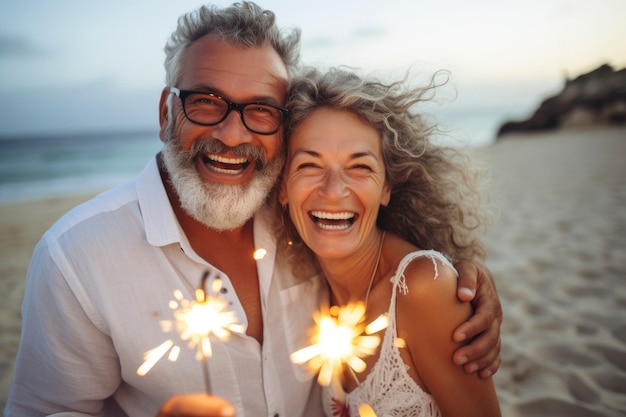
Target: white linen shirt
{"points": [[99, 283]]}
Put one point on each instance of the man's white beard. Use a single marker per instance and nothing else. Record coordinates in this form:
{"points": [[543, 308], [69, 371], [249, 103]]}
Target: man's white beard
{"points": [[218, 206]]}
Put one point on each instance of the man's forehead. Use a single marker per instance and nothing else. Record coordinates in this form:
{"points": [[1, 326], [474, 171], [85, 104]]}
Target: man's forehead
{"points": [[234, 69]]}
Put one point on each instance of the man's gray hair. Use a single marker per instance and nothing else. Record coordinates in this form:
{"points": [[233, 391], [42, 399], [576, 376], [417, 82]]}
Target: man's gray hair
{"points": [[244, 24]]}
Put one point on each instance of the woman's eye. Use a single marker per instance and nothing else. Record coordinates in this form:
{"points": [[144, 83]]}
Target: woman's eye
{"points": [[362, 167], [307, 165]]}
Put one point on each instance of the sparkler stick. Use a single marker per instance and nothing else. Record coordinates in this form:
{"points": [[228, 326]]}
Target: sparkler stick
{"points": [[195, 321], [201, 297]]}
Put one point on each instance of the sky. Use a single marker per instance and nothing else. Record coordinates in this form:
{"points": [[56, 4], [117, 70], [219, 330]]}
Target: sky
{"points": [[79, 65]]}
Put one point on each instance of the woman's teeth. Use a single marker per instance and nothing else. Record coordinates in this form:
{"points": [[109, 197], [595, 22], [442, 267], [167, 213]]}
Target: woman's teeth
{"points": [[333, 221]]}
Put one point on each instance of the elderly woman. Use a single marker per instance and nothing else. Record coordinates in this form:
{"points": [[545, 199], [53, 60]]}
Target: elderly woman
{"points": [[385, 213]]}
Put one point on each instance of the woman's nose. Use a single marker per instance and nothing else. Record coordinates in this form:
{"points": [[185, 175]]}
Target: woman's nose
{"points": [[333, 185]]}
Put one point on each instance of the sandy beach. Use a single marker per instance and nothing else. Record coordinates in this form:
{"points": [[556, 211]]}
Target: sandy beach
{"points": [[557, 252]]}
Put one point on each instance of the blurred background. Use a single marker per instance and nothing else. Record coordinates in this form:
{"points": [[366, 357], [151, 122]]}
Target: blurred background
{"points": [[81, 80]]}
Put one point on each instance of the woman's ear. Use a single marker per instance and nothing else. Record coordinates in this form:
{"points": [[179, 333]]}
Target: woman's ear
{"points": [[163, 113], [386, 196], [282, 194]]}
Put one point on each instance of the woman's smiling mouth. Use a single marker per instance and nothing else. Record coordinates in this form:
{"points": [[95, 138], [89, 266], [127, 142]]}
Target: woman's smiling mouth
{"points": [[333, 221]]}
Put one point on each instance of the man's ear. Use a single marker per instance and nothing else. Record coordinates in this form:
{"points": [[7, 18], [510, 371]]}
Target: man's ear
{"points": [[163, 113]]}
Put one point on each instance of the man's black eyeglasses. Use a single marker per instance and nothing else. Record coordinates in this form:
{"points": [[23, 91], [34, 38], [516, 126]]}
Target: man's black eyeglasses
{"points": [[209, 109]]}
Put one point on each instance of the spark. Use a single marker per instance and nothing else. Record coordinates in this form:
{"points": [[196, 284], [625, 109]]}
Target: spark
{"points": [[195, 321], [365, 410], [152, 356], [337, 339], [259, 254]]}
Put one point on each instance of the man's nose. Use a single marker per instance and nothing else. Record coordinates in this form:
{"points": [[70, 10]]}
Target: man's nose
{"points": [[231, 131]]}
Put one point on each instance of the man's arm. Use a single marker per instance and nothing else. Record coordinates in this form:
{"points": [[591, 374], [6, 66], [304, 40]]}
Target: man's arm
{"points": [[482, 330], [64, 362]]}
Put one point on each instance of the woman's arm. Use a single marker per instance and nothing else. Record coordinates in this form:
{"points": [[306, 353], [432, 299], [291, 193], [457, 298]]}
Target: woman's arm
{"points": [[427, 317]]}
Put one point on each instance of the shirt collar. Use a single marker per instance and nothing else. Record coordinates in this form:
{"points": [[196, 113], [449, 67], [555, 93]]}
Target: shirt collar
{"points": [[264, 238], [160, 221]]}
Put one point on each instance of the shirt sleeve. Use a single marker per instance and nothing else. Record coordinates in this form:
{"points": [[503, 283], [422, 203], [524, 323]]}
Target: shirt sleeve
{"points": [[65, 365]]}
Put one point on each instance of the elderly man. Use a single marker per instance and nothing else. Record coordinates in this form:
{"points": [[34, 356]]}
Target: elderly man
{"points": [[102, 277]]}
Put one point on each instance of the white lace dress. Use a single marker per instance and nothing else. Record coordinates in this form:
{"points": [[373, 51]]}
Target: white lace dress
{"points": [[389, 389]]}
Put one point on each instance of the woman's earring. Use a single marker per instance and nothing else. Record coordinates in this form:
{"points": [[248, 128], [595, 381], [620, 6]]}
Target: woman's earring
{"points": [[285, 208]]}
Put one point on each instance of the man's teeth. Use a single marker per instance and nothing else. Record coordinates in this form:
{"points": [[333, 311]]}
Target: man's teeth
{"points": [[225, 160], [333, 221], [226, 165]]}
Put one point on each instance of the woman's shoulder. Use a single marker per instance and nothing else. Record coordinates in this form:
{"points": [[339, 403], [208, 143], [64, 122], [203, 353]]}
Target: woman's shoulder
{"points": [[418, 263], [415, 270], [425, 262], [425, 284], [420, 273]]}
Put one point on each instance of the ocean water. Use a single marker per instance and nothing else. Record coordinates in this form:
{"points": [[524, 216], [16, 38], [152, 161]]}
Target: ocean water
{"points": [[40, 167]]}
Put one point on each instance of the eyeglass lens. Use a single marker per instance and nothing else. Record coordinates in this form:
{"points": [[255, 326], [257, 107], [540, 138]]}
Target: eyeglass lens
{"points": [[209, 109]]}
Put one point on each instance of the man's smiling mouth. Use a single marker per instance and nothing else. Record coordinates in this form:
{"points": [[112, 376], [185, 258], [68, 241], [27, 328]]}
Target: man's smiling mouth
{"points": [[225, 165]]}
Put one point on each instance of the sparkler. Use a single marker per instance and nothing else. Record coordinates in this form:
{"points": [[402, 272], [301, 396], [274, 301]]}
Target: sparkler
{"points": [[337, 339], [365, 410], [195, 321]]}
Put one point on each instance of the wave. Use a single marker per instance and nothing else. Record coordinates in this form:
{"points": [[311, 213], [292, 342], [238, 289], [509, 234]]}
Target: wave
{"points": [[38, 167]]}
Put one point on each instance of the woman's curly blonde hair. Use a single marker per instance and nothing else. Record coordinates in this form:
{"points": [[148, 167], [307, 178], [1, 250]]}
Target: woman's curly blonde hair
{"points": [[436, 195]]}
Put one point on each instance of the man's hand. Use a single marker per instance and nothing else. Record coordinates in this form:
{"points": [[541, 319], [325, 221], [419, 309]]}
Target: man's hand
{"points": [[196, 405], [483, 328]]}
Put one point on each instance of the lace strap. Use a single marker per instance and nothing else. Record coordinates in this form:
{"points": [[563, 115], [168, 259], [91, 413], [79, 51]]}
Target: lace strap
{"points": [[399, 280]]}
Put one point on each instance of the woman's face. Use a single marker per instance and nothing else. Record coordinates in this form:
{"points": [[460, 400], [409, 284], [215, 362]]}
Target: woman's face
{"points": [[335, 182]]}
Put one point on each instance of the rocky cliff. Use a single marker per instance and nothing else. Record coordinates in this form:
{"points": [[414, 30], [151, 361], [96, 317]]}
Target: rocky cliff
{"points": [[595, 98]]}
